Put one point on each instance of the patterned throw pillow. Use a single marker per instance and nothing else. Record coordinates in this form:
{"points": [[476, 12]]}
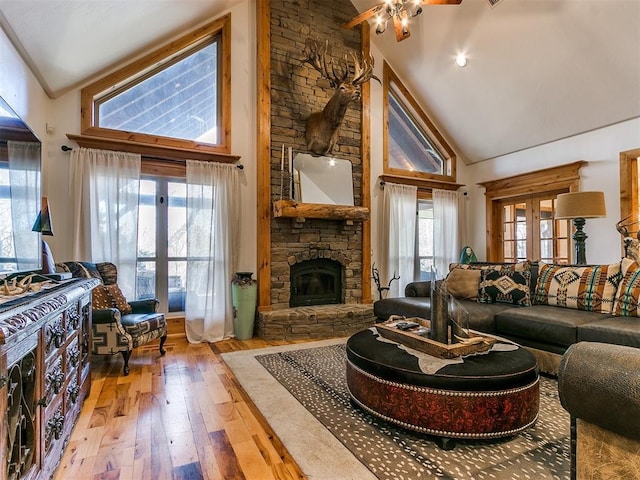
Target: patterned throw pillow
{"points": [[628, 295], [117, 297], [592, 288], [499, 286], [100, 298]]}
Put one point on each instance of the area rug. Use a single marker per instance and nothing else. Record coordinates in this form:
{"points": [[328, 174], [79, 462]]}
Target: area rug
{"points": [[302, 392]]}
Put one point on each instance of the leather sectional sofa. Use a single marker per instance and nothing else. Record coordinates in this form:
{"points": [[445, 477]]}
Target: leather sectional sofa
{"points": [[563, 305]]}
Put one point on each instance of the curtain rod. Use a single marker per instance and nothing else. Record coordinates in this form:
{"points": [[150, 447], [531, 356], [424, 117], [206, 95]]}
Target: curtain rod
{"points": [[66, 148]]}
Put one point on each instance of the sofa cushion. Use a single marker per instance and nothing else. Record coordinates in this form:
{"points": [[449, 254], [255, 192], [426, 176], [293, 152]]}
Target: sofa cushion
{"points": [[591, 288], [100, 298], [498, 286], [628, 294], [118, 299], [408, 306], [546, 324], [514, 267], [137, 324], [616, 330], [463, 283]]}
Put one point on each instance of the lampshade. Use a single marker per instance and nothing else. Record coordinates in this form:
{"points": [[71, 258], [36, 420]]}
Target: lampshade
{"points": [[580, 205], [43, 220]]}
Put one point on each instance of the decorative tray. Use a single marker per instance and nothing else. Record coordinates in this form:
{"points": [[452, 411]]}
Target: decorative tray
{"points": [[414, 333]]}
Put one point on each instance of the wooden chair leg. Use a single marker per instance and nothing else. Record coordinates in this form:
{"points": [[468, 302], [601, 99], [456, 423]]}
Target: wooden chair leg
{"points": [[162, 340], [126, 355]]}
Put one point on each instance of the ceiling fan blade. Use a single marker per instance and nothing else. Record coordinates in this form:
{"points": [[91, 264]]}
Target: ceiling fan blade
{"points": [[402, 32], [441, 2], [366, 15]]}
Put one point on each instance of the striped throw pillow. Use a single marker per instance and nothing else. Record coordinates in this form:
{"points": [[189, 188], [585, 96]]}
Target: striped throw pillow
{"points": [[591, 288], [629, 290]]}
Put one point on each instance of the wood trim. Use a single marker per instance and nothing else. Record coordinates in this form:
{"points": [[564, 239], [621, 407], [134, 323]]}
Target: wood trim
{"points": [[564, 178], [547, 179], [162, 152], [422, 184], [263, 153], [222, 27], [388, 76], [293, 209], [629, 183], [365, 149]]}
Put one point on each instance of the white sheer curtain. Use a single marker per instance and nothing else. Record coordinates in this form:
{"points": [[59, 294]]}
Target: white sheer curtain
{"points": [[398, 236], [212, 236], [24, 174], [106, 186], [446, 241]]}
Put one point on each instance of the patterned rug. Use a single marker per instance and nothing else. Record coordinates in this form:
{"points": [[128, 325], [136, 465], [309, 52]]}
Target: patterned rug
{"points": [[316, 378]]}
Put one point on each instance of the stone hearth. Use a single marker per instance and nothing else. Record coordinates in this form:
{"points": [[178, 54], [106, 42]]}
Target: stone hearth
{"points": [[314, 322]]}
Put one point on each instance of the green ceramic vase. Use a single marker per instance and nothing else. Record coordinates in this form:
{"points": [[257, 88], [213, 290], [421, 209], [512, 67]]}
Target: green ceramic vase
{"points": [[244, 291]]}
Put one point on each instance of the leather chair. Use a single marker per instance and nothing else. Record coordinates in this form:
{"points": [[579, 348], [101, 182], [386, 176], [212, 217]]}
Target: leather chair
{"points": [[599, 385], [112, 330]]}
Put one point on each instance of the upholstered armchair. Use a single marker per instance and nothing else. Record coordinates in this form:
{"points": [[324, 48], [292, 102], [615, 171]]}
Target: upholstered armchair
{"points": [[118, 326]]}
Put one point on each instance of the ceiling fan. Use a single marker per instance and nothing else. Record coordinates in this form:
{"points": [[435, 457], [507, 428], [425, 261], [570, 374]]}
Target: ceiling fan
{"points": [[399, 11]]}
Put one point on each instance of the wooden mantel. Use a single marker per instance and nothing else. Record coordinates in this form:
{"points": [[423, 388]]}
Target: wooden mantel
{"points": [[293, 209]]}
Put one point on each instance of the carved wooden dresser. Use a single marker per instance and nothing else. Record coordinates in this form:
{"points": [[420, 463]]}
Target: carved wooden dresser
{"points": [[44, 375]]}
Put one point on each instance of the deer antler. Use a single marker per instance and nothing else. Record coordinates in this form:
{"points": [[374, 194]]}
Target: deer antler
{"points": [[364, 73], [318, 55]]}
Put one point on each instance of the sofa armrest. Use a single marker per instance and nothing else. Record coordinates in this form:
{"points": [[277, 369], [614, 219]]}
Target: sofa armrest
{"points": [[418, 289], [149, 305], [600, 384], [105, 315]]}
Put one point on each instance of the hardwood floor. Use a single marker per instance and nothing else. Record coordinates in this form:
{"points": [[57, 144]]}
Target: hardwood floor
{"points": [[181, 416]]}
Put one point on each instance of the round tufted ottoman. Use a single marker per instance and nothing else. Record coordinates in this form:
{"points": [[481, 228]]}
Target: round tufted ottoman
{"points": [[485, 396]]}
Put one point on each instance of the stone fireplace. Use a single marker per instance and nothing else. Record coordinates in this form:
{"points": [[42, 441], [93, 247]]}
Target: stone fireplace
{"points": [[315, 264]]}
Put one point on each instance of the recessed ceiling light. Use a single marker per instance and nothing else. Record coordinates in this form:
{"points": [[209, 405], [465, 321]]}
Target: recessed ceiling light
{"points": [[461, 60]]}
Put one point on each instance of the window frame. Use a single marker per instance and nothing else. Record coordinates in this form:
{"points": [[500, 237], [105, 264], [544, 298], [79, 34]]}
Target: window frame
{"points": [[565, 178], [217, 30], [391, 83]]}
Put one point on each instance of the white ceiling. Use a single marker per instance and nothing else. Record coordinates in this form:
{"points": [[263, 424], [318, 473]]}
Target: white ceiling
{"points": [[538, 70]]}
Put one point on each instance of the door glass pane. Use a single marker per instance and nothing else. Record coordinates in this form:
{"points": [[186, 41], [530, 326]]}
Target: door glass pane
{"points": [[424, 240], [146, 280], [546, 250], [177, 282], [521, 249], [508, 251], [177, 220], [147, 220]]}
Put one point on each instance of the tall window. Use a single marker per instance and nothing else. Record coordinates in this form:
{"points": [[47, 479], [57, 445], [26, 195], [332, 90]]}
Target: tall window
{"points": [[424, 240], [162, 245], [177, 96], [413, 146]]}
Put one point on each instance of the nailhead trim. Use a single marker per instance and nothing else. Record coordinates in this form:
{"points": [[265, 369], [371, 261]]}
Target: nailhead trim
{"points": [[436, 391]]}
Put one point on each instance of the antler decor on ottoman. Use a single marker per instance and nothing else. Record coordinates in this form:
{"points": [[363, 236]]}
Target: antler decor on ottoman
{"points": [[118, 326]]}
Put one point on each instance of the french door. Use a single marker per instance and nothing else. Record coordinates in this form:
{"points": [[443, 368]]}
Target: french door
{"points": [[162, 242], [529, 231]]}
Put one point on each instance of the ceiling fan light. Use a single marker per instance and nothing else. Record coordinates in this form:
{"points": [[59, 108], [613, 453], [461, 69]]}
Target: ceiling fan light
{"points": [[461, 60]]}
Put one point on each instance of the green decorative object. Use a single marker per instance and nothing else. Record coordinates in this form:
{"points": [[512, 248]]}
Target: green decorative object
{"points": [[467, 255], [244, 291]]}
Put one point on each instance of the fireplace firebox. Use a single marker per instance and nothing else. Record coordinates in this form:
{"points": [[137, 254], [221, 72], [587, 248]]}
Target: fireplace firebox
{"points": [[316, 282]]}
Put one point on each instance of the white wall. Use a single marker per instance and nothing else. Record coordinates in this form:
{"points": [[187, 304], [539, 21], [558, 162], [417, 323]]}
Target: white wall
{"points": [[21, 90], [66, 113], [600, 148]]}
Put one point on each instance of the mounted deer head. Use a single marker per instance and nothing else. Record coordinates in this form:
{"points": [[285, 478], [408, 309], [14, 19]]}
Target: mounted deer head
{"points": [[322, 127]]}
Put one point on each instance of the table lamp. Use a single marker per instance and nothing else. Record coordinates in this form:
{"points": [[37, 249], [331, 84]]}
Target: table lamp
{"points": [[578, 206]]}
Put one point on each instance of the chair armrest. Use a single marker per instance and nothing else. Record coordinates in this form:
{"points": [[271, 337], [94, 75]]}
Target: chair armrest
{"points": [[149, 305], [418, 289], [105, 315], [600, 384]]}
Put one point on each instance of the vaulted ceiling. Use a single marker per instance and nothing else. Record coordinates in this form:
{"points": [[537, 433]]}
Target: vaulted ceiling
{"points": [[537, 71]]}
